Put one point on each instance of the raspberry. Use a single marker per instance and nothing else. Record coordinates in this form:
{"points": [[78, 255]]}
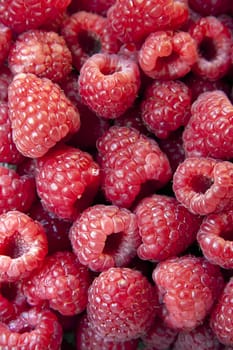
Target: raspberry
{"points": [[87, 33], [61, 281], [6, 78], [121, 304], [188, 287], [108, 84], [67, 180], [40, 113], [165, 107], [221, 320], [5, 42], [180, 14], [32, 329], [130, 160], [23, 246], [209, 130], [167, 54], [105, 236], [214, 42], [204, 185], [42, 53], [210, 7], [166, 227]]}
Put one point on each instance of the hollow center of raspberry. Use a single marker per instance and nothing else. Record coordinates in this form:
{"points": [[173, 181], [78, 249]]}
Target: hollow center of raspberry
{"points": [[207, 49], [201, 183], [166, 60], [9, 291], [88, 42], [227, 235], [112, 243], [14, 246]]}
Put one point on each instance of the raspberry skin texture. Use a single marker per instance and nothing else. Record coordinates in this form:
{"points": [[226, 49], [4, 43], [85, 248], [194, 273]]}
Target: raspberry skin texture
{"points": [[121, 304], [105, 236], [97, 6], [204, 185], [23, 245], [167, 55], [166, 227], [88, 33], [129, 160], [165, 107], [62, 282], [42, 53], [209, 130], [40, 113], [210, 7], [6, 78], [5, 42], [188, 287], [109, 84], [67, 180], [32, 329]]}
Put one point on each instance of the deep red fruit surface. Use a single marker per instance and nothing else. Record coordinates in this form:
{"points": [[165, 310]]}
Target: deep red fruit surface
{"points": [[32, 329], [5, 42], [209, 132], [210, 7], [188, 287], [5, 79], [121, 304], [23, 246], [108, 84], [40, 113], [62, 282], [204, 185], [96, 6]]}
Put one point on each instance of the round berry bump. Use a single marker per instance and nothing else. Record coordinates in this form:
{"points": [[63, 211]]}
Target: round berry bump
{"points": [[5, 42], [42, 53], [209, 130], [204, 185], [167, 54], [109, 84], [23, 246], [121, 304], [87, 33], [105, 236], [166, 227], [32, 329], [67, 180], [62, 281], [188, 287], [40, 113]]}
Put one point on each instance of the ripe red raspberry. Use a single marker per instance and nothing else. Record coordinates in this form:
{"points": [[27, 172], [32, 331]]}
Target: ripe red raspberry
{"points": [[166, 227], [6, 78], [221, 318], [121, 304], [214, 42], [188, 287], [165, 107], [167, 54], [67, 180], [105, 236], [204, 185], [87, 33], [109, 84], [42, 53], [40, 113], [62, 282], [209, 130], [5, 42], [129, 161], [180, 14], [32, 329], [210, 7], [132, 22], [23, 246]]}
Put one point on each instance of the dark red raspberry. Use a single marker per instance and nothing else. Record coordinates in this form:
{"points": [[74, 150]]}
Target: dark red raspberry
{"points": [[209, 130], [109, 84], [6, 78], [221, 319], [132, 22], [204, 185], [105, 236], [42, 53], [166, 227], [67, 180], [210, 7], [5, 42], [188, 287], [87, 33], [214, 42], [23, 246], [40, 113], [130, 161], [167, 54], [165, 107], [32, 329], [121, 304], [97, 6]]}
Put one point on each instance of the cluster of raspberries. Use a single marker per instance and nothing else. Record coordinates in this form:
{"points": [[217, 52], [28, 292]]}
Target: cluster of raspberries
{"points": [[116, 175]]}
